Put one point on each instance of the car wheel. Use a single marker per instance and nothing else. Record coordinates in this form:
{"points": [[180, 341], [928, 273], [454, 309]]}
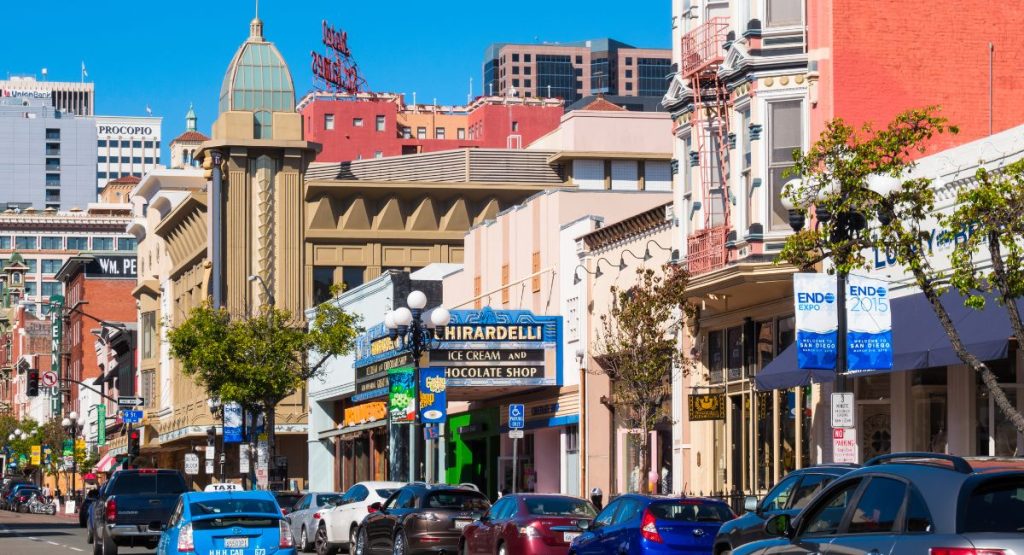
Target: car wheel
{"points": [[353, 538], [109, 547], [502, 550], [88, 536], [304, 541], [362, 542], [320, 541], [97, 549], [399, 545]]}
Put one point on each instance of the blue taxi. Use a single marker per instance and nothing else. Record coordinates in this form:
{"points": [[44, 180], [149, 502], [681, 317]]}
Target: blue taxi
{"points": [[231, 522]]}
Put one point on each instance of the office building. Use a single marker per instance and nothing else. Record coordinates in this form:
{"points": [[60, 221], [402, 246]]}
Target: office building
{"points": [[576, 69], [76, 98], [126, 145]]}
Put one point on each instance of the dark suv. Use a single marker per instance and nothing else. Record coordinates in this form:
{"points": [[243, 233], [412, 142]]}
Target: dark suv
{"points": [[420, 519], [909, 504], [790, 495]]}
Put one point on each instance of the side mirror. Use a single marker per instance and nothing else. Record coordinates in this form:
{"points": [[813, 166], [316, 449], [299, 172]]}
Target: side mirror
{"points": [[750, 504], [779, 526]]}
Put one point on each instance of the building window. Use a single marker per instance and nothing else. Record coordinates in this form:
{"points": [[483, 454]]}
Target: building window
{"points": [[136, 144], [515, 126], [5, 242], [53, 195], [421, 132], [25, 243], [32, 264], [328, 121], [629, 60], [352, 276], [51, 265], [102, 143], [31, 288], [51, 288], [515, 70], [357, 122], [527, 58], [148, 324], [380, 123], [53, 134], [323, 280], [460, 133], [785, 129], [147, 144], [716, 357], [53, 180], [377, 155], [53, 149], [102, 243], [579, 59], [652, 75], [785, 13], [515, 57], [527, 71], [52, 243], [406, 132], [527, 83], [629, 86], [126, 244], [439, 133], [136, 159], [78, 243], [148, 160], [556, 77]]}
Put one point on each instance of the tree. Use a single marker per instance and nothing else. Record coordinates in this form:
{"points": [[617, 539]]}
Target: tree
{"points": [[867, 172], [636, 348], [258, 361]]}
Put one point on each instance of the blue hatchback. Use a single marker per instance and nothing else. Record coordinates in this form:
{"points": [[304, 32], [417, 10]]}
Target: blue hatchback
{"points": [[227, 523], [645, 524]]}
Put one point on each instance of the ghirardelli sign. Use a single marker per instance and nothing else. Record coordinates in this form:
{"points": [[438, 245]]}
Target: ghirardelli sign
{"points": [[113, 266]]}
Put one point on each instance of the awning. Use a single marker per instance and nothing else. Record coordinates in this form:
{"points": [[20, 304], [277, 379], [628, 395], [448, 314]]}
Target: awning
{"points": [[351, 429], [106, 462], [918, 340]]}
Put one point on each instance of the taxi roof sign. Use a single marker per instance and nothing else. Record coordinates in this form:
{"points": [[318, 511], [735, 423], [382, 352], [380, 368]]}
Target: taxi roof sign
{"points": [[223, 486]]}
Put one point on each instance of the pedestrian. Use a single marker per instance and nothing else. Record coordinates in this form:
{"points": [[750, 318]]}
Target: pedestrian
{"points": [[59, 495]]}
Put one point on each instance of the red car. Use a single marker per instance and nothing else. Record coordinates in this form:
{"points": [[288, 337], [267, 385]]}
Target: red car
{"points": [[527, 524]]}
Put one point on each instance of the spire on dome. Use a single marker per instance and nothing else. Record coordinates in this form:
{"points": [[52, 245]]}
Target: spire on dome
{"points": [[256, 26]]}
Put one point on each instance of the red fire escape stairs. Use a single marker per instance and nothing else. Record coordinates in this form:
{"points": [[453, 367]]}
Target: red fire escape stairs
{"points": [[702, 55]]}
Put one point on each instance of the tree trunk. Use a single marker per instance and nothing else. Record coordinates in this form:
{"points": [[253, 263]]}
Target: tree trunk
{"points": [[989, 379], [645, 452], [1003, 286]]}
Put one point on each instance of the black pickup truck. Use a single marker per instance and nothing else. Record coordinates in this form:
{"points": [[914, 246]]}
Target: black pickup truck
{"points": [[133, 507]]}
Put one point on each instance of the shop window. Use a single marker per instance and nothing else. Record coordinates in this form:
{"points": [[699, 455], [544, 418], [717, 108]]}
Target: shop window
{"points": [[996, 435], [734, 356], [928, 412], [323, 279], [716, 356], [765, 407]]}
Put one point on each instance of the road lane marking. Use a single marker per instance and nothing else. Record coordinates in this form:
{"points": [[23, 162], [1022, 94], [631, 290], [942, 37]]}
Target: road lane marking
{"points": [[74, 548], [52, 543]]}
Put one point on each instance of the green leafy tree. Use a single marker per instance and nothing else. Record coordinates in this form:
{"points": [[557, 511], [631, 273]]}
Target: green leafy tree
{"points": [[636, 348], [867, 172], [260, 360]]}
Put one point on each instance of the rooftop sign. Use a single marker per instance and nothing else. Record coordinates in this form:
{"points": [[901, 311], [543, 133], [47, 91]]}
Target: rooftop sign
{"points": [[337, 69]]}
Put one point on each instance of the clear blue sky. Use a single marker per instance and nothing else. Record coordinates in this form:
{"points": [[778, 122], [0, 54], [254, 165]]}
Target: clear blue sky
{"points": [[167, 54]]}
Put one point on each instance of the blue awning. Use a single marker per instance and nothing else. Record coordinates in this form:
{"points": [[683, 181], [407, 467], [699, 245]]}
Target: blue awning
{"points": [[918, 340]]}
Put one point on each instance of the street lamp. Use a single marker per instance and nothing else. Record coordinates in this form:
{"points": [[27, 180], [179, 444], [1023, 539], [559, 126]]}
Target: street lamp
{"points": [[217, 410], [263, 283], [73, 427], [407, 327]]}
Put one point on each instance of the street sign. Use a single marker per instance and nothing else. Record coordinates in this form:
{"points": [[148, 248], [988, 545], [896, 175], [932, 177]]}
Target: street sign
{"points": [[211, 452], [844, 445], [842, 410], [209, 466], [101, 425], [131, 416], [430, 432], [243, 459], [515, 434], [262, 477], [516, 417], [130, 402], [48, 378], [191, 464]]}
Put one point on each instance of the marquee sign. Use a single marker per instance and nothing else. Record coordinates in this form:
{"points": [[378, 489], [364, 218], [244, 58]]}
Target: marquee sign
{"points": [[500, 348], [112, 267], [337, 69]]}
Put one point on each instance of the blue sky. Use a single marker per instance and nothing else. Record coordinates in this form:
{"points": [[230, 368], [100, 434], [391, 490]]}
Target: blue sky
{"points": [[168, 54]]}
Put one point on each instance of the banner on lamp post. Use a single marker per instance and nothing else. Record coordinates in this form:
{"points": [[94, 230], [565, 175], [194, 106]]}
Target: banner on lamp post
{"points": [[232, 423], [401, 394], [433, 395], [869, 324], [101, 424], [56, 346], [817, 321]]}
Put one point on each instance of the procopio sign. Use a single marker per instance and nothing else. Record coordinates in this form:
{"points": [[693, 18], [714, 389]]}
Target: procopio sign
{"points": [[124, 130]]}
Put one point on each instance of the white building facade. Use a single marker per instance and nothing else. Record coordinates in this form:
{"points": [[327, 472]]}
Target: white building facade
{"points": [[126, 145]]}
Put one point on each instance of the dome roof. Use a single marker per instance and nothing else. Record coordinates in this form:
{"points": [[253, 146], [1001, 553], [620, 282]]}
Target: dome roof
{"points": [[258, 80]]}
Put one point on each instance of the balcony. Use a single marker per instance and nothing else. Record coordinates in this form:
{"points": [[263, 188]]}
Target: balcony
{"points": [[703, 46], [705, 250]]}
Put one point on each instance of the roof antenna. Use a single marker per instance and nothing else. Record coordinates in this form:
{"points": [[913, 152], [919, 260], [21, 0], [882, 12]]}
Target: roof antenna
{"points": [[257, 9]]}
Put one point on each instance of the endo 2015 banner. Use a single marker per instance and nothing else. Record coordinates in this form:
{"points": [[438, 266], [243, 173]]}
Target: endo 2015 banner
{"points": [[816, 320], [433, 395], [868, 324]]}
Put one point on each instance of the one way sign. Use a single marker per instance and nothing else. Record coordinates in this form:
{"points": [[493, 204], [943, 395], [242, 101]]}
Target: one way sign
{"points": [[130, 402]]}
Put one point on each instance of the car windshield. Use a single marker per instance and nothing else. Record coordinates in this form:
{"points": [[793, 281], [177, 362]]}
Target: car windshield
{"points": [[996, 506], [464, 500], [326, 500], [146, 482], [689, 511], [559, 506], [287, 499], [230, 506], [385, 493]]}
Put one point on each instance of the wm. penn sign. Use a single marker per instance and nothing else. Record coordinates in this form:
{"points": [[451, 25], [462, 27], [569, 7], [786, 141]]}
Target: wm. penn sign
{"points": [[112, 267]]}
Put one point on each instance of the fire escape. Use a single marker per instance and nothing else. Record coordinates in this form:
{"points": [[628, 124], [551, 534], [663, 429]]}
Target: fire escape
{"points": [[702, 54]]}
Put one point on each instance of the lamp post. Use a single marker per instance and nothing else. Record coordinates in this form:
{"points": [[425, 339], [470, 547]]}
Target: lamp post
{"points": [[217, 410], [72, 426], [408, 328], [847, 225], [16, 435]]}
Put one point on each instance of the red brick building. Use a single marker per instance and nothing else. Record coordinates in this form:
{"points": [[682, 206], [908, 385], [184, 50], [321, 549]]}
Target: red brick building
{"points": [[366, 126]]}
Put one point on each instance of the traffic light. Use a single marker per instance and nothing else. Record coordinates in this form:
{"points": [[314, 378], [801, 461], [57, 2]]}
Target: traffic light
{"points": [[33, 383], [134, 443]]}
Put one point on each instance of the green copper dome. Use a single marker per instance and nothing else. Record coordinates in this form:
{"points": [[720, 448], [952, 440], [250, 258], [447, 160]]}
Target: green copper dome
{"points": [[258, 80]]}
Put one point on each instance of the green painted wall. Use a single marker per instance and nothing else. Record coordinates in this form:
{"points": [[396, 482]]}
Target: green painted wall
{"points": [[474, 457]]}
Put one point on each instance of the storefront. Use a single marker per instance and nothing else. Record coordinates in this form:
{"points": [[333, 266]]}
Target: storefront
{"points": [[362, 445]]}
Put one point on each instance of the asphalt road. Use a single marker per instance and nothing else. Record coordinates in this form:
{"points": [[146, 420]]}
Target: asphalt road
{"points": [[28, 534]]}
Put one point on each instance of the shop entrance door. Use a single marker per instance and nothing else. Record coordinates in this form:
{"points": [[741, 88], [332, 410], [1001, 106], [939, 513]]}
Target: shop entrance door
{"points": [[505, 473], [874, 428]]}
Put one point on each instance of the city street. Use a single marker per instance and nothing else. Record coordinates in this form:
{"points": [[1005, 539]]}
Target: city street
{"points": [[29, 534]]}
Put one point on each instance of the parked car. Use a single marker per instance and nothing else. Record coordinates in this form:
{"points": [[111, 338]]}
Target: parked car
{"points": [[909, 504], [287, 499], [134, 507], [226, 522], [86, 506], [91, 519], [789, 496], [338, 525], [419, 518], [304, 516], [21, 497], [528, 524], [647, 524], [8, 486], [9, 497]]}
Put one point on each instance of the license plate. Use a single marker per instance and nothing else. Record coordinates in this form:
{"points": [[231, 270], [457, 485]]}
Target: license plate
{"points": [[460, 524], [567, 537], [236, 542]]}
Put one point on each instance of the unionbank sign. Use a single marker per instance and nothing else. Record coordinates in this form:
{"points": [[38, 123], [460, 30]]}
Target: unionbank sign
{"points": [[816, 320], [868, 317]]}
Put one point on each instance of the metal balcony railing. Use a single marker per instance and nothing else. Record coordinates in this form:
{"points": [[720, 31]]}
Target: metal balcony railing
{"points": [[705, 250], [703, 46]]}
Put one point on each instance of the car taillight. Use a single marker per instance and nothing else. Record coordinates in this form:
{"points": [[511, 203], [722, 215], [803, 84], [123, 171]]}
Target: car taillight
{"points": [[185, 543], [316, 516], [529, 532], [426, 516], [964, 551], [648, 528], [371, 509], [111, 510], [286, 534], [147, 471]]}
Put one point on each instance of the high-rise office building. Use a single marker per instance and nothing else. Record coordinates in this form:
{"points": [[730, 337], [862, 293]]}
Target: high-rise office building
{"points": [[126, 145], [76, 98], [576, 69]]}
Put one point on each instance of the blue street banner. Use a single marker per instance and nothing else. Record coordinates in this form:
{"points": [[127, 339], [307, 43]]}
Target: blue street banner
{"points": [[869, 324], [232, 423], [433, 395], [817, 321]]}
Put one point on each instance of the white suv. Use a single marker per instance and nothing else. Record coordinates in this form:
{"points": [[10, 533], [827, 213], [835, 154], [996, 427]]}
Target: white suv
{"points": [[338, 525]]}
